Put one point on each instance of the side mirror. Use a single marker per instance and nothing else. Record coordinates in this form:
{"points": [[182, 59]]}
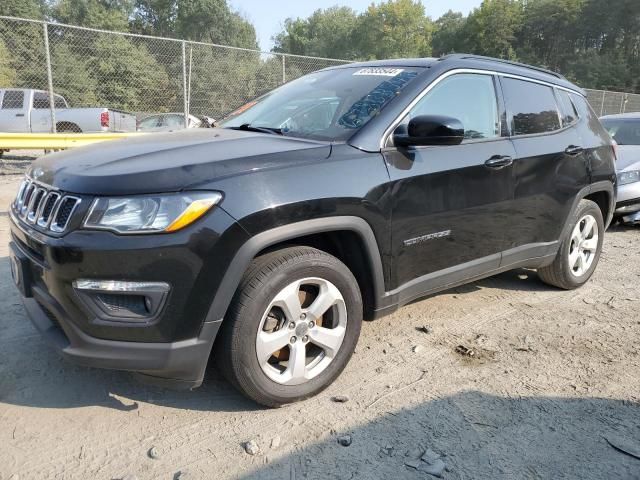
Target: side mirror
{"points": [[429, 130]]}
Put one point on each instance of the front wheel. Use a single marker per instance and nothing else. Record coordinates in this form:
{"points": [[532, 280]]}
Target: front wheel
{"points": [[579, 251], [292, 326]]}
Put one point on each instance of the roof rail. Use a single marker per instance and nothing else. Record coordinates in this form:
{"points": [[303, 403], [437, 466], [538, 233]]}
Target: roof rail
{"points": [[499, 60]]}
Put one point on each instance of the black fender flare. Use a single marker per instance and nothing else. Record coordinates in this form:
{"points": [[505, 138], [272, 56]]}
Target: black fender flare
{"points": [[248, 251], [602, 186]]}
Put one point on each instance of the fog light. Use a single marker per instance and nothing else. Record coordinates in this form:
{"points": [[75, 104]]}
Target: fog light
{"points": [[115, 300], [118, 286]]}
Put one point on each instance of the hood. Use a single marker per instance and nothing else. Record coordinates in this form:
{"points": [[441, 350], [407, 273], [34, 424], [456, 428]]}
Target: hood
{"points": [[169, 162], [628, 157]]}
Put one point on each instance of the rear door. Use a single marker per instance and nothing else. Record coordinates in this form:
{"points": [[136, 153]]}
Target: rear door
{"points": [[14, 111], [451, 204], [40, 112], [549, 167]]}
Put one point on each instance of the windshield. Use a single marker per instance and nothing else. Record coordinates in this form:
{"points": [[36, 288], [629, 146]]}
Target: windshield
{"points": [[328, 105], [623, 131]]}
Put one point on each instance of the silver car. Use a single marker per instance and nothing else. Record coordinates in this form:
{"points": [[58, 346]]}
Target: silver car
{"points": [[625, 130], [169, 122]]}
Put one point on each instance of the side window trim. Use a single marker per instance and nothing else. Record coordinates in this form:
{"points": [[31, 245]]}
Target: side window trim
{"points": [[384, 140]]}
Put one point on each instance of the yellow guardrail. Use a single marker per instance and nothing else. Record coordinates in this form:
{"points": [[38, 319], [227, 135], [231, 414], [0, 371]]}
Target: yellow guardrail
{"points": [[55, 141]]}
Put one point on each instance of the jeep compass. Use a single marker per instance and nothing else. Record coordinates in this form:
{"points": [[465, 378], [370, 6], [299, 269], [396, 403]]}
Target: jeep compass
{"points": [[337, 197]]}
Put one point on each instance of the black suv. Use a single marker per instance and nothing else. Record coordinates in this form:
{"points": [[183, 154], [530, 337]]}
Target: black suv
{"points": [[339, 196]]}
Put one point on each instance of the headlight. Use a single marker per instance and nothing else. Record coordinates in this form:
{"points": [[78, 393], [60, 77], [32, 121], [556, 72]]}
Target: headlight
{"points": [[150, 213], [628, 177]]}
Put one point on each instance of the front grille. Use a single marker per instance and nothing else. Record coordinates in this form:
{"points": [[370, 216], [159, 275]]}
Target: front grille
{"points": [[49, 209]]}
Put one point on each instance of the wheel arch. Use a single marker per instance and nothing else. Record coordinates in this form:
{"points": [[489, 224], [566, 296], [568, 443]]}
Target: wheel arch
{"points": [[326, 232], [602, 194]]}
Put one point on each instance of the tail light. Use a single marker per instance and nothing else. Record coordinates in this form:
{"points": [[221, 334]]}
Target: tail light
{"points": [[104, 119]]}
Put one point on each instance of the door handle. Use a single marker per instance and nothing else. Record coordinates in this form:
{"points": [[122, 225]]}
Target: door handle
{"points": [[499, 161], [19, 114], [573, 150]]}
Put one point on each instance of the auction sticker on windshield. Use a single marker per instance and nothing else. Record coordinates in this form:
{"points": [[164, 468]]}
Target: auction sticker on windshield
{"points": [[383, 72]]}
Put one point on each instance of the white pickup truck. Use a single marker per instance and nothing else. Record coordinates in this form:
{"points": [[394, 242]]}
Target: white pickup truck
{"points": [[27, 111]]}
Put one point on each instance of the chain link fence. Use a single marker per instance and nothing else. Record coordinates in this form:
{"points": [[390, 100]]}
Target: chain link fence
{"points": [[139, 73], [144, 74], [606, 102]]}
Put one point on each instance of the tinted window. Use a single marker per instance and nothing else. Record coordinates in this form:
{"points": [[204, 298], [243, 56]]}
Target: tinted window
{"points": [[469, 98], [567, 108], [532, 106], [13, 99], [40, 100], [623, 131]]}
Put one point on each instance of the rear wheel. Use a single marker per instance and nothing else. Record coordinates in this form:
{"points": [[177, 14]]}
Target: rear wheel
{"points": [[292, 326], [579, 251], [68, 128]]}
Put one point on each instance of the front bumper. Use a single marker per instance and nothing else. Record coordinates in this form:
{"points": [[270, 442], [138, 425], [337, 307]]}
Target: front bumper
{"points": [[178, 365], [173, 349], [628, 199]]}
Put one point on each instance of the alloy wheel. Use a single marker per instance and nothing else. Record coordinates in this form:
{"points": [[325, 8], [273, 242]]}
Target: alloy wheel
{"points": [[301, 331]]}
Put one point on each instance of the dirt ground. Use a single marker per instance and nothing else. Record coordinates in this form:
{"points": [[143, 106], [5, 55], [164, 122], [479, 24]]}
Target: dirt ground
{"points": [[554, 378]]}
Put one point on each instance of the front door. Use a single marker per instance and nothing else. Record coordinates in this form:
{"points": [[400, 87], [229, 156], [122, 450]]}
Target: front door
{"points": [[451, 204]]}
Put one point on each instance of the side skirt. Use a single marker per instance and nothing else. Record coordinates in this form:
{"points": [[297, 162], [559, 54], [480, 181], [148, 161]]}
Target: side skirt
{"points": [[527, 256]]}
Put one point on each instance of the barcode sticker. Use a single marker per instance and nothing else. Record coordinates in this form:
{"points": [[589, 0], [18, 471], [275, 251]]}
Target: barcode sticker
{"points": [[380, 72]]}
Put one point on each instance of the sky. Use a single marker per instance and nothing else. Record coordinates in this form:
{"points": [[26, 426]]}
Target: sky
{"points": [[268, 16]]}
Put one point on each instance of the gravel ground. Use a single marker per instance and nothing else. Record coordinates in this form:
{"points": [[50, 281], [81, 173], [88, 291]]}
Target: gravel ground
{"points": [[551, 385]]}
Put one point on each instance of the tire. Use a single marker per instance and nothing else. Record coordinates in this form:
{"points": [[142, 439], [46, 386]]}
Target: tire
{"points": [[564, 272], [252, 317], [68, 128]]}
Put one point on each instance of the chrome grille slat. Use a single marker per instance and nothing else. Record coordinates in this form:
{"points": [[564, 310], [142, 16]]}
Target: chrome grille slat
{"points": [[49, 205], [49, 209], [26, 200], [34, 205], [63, 213]]}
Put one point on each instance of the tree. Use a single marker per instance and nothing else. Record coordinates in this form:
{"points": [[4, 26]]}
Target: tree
{"points": [[326, 33], [34, 9], [103, 14], [396, 28], [447, 33], [199, 20], [548, 36], [491, 29]]}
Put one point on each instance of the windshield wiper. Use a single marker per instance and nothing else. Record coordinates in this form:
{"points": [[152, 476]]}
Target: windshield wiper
{"points": [[250, 128]]}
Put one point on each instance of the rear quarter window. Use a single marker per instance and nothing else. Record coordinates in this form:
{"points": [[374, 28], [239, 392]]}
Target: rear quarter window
{"points": [[532, 107], [567, 108]]}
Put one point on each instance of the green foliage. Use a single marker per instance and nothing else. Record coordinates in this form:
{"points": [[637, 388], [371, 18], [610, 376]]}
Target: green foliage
{"points": [[73, 77], [127, 76], [23, 8], [8, 74], [104, 14], [200, 20], [326, 33], [396, 28], [491, 29], [594, 42]]}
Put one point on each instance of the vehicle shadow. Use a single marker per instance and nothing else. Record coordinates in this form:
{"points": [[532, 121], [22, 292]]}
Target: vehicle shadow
{"points": [[31, 373], [479, 436]]}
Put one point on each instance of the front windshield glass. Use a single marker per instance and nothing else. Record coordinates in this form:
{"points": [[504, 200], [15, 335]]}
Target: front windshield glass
{"points": [[623, 131], [329, 105]]}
